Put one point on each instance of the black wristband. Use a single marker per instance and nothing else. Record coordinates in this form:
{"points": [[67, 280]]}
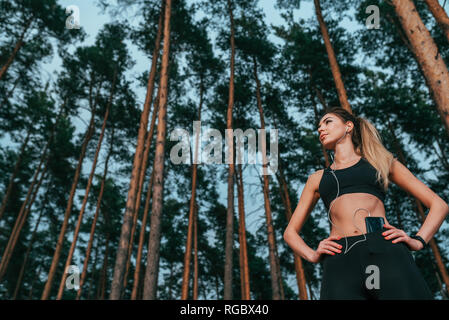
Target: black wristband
{"points": [[420, 240]]}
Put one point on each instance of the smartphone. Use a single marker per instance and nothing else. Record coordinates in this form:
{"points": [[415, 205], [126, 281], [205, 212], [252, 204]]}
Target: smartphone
{"points": [[374, 223]]}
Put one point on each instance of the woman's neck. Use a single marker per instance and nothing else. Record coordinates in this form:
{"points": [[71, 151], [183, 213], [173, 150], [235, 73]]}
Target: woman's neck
{"points": [[338, 162]]}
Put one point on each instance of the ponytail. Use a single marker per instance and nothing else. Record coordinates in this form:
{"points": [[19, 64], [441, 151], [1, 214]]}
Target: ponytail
{"points": [[374, 152]]}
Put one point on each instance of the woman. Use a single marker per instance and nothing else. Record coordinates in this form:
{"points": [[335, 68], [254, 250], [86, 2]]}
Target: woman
{"points": [[358, 264]]}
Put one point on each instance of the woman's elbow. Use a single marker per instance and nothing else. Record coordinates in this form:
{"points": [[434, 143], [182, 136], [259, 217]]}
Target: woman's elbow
{"points": [[443, 205], [446, 207], [288, 234]]}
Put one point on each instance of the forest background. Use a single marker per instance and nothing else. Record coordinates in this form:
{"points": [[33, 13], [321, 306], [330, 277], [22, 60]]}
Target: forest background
{"points": [[78, 104]]}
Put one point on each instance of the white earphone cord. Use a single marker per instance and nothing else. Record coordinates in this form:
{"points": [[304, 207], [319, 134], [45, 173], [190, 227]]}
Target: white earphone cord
{"points": [[353, 215]]}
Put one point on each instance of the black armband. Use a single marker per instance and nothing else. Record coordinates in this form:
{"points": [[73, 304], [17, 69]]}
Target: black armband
{"points": [[420, 240]]}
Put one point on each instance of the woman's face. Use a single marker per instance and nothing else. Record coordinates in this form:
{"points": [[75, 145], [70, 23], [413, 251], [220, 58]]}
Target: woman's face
{"points": [[330, 129]]}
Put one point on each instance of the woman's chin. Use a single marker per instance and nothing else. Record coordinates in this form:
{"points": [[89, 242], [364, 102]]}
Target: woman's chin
{"points": [[328, 145]]}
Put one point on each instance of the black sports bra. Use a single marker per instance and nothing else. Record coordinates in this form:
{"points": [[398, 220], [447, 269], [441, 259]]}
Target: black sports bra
{"points": [[360, 177]]}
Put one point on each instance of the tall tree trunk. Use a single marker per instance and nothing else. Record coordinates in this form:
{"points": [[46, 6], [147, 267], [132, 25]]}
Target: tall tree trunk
{"points": [[86, 194], [94, 222], [122, 251], [23, 215], [229, 246], [317, 120], [242, 279], [104, 270], [68, 210], [137, 271], [421, 216], [16, 49], [20, 217], [299, 268], [427, 55], [50, 139], [281, 285], [188, 250], [141, 281], [27, 254], [300, 273], [440, 16], [341, 91], [92, 276], [273, 255], [14, 174], [195, 252], [244, 266], [320, 98], [434, 247], [152, 269], [148, 142], [315, 91]]}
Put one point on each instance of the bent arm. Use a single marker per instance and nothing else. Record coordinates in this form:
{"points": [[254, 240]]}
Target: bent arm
{"points": [[305, 205], [438, 208]]}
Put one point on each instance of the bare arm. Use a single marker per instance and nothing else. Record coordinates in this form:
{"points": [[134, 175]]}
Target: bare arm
{"points": [[438, 208], [307, 202]]}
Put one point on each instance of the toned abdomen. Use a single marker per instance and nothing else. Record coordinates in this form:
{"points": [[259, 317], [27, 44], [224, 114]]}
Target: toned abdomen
{"points": [[343, 208]]}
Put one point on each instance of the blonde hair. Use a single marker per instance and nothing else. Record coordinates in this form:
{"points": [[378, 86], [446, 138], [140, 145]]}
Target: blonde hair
{"points": [[368, 143]]}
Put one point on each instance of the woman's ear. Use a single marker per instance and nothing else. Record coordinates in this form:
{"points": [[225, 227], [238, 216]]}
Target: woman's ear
{"points": [[350, 125]]}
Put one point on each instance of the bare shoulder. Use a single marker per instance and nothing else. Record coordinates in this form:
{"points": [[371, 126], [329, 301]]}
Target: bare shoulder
{"points": [[315, 179], [397, 170]]}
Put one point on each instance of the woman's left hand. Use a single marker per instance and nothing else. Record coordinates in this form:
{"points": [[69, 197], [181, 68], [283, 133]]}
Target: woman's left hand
{"points": [[400, 236]]}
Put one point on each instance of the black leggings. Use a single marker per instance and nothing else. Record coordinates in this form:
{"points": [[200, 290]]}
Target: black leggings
{"points": [[372, 269]]}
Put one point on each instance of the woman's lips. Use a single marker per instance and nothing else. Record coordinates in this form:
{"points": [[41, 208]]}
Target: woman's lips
{"points": [[323, 136]]}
